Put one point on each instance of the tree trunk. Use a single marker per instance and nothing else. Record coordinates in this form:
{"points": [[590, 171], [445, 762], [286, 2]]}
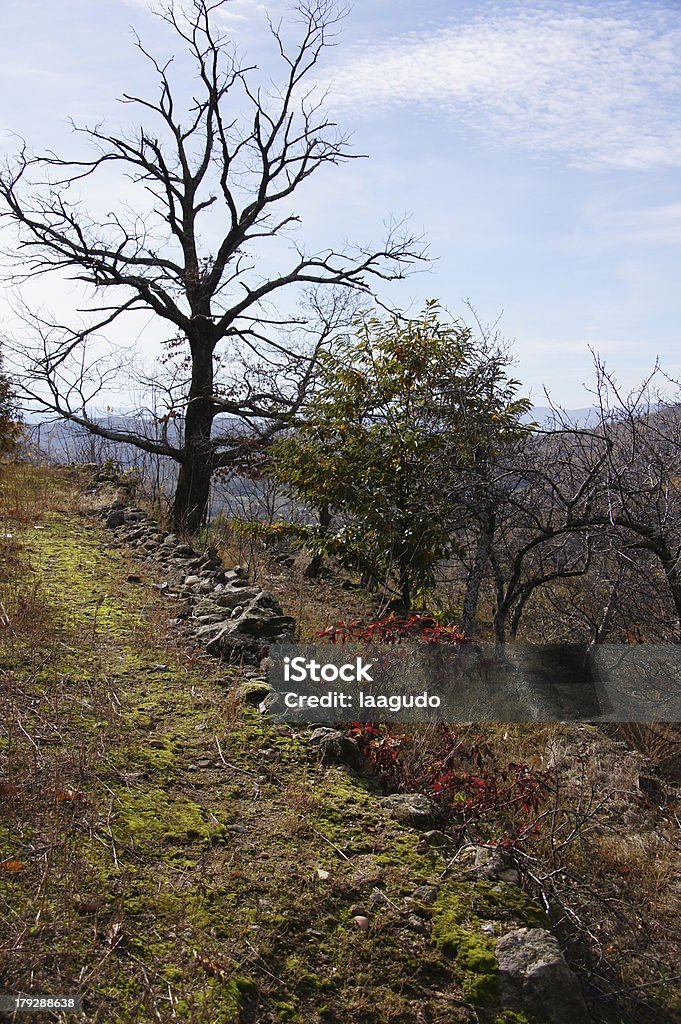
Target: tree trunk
{"points": [[315, 563], [474, 581], [670, 563], [190, 506], [404, 585]]}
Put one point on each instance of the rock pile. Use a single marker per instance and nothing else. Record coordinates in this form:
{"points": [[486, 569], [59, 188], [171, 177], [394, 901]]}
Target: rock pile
{"points": [[234, 619]]}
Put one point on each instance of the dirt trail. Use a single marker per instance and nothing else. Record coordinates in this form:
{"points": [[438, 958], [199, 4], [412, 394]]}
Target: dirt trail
{"points": [[168, 854], [177, 857]]}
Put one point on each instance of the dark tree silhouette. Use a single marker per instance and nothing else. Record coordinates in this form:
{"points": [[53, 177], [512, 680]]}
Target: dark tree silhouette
{"points": [[10, 417], [228, 162]]}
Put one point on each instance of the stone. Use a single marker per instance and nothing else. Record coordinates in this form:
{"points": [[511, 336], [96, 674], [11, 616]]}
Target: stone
{"points": [[434, 838], [115, 518], [271, 703], [210, 630], [491, 864], [263, 617], [337, 748], [254, 692], [425, 894], [652, 789], [379, 898], [413, 809], [535, 976], [260, 620], [229, 598], [185, 551]]}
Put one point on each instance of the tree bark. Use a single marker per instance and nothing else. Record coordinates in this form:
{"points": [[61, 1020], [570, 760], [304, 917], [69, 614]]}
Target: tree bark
{"points": [[190, 506], [474, 581], [192, 495], [315, 563], [405, 563]]}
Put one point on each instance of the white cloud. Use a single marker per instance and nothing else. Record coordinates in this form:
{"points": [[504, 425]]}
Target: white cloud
{"points": [[600, 84], [652, 225]]}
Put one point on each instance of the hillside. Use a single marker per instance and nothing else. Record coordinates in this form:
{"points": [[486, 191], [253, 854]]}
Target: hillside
{"points": [[170, 856]]}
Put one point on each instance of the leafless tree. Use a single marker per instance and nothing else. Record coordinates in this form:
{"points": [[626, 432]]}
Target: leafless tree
{"points": [[640, 486], [592, 517], [232, 159], [533, 510]]}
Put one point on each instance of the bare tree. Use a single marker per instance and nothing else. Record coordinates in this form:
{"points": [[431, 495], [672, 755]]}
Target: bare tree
{"points": [[534, 511], [640, 488], [230, 160], [592, 516]]}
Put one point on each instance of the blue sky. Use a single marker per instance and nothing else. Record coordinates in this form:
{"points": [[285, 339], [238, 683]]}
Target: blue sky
{"points": [[536, 145]]}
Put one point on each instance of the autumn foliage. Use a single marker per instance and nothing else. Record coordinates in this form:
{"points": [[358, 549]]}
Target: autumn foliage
{"points": [[475, 791]]}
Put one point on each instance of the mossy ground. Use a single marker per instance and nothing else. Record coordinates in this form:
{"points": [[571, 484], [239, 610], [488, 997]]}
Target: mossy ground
{"points": [[177, 858], [169, 844]]}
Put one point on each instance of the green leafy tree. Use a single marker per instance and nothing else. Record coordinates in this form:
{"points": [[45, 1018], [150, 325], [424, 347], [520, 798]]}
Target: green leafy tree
{"points": [[396, 423], [10, 419]]}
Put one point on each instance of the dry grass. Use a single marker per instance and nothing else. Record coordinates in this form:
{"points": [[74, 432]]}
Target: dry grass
{"points": [[159, 931]]}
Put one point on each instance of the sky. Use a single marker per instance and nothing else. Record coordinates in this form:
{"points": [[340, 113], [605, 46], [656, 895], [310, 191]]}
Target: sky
{"points": [[535, 146]]}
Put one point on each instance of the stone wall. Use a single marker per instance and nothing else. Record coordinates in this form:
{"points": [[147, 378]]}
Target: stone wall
{"points": [[234, 619]]}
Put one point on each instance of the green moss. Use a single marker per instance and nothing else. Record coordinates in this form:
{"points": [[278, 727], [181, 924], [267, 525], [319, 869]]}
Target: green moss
{"points": [[141, 720], [457, 915], [160, 757], [217, 1001], [464, 903], [286, 1012], [481, 989], [156, 817]]}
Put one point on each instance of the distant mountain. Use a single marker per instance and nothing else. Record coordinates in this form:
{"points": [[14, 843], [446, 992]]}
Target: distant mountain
{"points": [[544, 416]]}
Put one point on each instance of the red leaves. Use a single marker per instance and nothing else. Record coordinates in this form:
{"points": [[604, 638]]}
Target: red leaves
{"points": [[394, 629], [465, 778]]}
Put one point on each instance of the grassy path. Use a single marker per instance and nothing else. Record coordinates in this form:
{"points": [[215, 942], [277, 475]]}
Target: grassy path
{"points": [[169, 856]]}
